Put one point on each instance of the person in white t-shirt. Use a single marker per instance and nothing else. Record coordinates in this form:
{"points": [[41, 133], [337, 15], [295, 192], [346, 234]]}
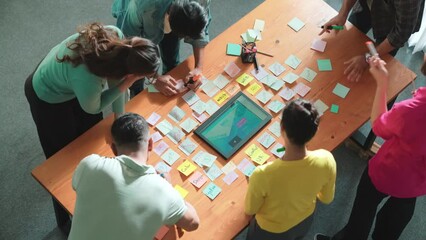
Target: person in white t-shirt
{"points": [[123, 197]]}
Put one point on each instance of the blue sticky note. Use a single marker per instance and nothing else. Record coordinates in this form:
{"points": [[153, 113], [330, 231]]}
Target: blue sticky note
{"points": [[341, 90], [324, 65], [334, 108], [233, 49], [296, 24], [212, 190], [213, 172], [293, 61]]}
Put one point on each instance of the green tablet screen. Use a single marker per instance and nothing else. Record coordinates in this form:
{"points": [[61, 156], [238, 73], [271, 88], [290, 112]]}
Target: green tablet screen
{"points": [[233, 125]]}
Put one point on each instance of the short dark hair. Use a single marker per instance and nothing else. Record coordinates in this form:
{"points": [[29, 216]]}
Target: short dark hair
{"points": [[130, 131], [300, 121], [187, 18]]}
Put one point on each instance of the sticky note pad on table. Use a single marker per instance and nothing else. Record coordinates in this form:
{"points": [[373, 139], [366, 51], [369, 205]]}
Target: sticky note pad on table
{"points": [[290, 78], [233, 88], [233, 49], [188, 125], [276, 68], [334, 108], [276, 106], [153, 118], [301, 89], [170, 156], [244, 79], [318, 45], [254, 88], [190, 97], [211, 107], [296, 24], [320, 106], [230, 177], [340, 90], [232, 69], [259, 24], [187, 146], [264, 96], [260, 157], [160, 148], [324, 65], [308, 74], [198, 179], [275, 128], [246, 167], [293, 61], [251, 150], [221, 97], [287, 94], [186, 168], [269, 80], [213, 172], [259, 74], [182, 191], [212, 190], [266, 140], [229, 167], [161, 167]]}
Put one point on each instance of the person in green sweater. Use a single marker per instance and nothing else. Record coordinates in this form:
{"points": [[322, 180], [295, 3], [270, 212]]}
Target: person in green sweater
{"points": [[67, 92], [282, 194]]}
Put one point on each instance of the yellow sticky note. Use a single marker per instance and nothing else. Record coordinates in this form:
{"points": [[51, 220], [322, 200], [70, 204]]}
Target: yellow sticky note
{"points": [[182, 191], [251, 150], [244, 79], [221, 97], [259, 157], [186, 168], [254, 88]]}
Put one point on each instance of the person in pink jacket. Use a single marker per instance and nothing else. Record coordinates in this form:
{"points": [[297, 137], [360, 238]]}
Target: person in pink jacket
{"points": [[397, 173]]}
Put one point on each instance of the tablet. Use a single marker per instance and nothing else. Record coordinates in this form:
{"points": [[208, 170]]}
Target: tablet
{"points": [[228, 129]]}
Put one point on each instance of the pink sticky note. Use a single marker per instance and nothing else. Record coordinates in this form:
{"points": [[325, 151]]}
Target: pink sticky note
{"points": [[232, 69], [198, 179], [153, 119], [156, 137], [201, 118], [318, 45], [230, 177], [160, 148], [301, 89], [161, 233]]}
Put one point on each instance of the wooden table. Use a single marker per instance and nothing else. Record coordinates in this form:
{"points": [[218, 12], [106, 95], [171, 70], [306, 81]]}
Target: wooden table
{"points": [[224, 217]]}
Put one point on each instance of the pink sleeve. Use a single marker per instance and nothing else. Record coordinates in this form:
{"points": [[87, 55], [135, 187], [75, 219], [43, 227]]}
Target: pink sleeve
{"points": [[387, 124]]}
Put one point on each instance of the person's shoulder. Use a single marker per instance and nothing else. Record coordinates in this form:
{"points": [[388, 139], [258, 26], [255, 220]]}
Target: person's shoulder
{"points": [[323, 155], [93, 160]]}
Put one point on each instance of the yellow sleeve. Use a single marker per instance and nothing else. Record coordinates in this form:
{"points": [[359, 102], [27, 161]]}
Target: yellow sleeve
{"points": [[255, 195], [326, 195]]}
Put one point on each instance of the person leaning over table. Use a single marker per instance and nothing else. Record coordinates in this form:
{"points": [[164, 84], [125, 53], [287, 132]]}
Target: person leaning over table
{"points": [[397, 173], [392, 22], [66, 91], [282, 194], [123, 197], [165, 22]]}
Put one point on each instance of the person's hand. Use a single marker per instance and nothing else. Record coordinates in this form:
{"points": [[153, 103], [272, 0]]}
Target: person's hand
{"points": [[166, 84], [195, 72], [355, 67], [378, 70], [338, 20]]}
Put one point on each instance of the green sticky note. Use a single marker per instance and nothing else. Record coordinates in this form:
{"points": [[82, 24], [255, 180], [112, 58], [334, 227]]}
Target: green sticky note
{"points": [[334, 108], [308, 74], [324, 65], [233, 49], [341, 90], [296, 24]]}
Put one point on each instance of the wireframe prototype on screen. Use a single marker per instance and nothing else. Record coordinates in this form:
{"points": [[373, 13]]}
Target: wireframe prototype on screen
{"points": [[233, 125]]}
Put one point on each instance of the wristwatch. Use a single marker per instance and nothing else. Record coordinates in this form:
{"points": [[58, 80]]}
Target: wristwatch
{"points": [[367, 57]]}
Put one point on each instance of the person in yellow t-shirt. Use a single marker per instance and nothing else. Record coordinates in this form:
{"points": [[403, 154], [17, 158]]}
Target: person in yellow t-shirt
{"points": [[282, 194]]}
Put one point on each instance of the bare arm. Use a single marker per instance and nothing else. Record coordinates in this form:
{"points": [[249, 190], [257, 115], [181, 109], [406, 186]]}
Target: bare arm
{"points": [[341, 17], [190, 220], [380, 74]]}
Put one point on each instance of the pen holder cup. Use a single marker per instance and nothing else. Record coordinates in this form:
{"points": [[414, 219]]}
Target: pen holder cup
{"points": [[247, 53]]}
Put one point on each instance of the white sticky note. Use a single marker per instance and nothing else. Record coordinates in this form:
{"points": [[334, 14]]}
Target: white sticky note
{"points": [[260, 74], [269, 80], [170, 156], [308, 74], [190, 97], [221, 81], [277, 85], [287, 94], [275, 152], [276, 106], [187, 146], [160, 148], [199, 107], [264, 96], [153, 118], [210, 88], [296, 24], [164, 127], [229, 167], [320, 106], [211, 107], [276, 68], [232, 69], [156, 137], [290, 78], [301, 89], [188, 125], [201, 118], [259, 25], [176, 114], [266, 140], [318, 45], [175, 135], [275, 128]]}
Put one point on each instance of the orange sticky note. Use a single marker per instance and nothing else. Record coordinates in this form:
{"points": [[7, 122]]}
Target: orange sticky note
{"points": [[186, 168], [244, 79], [182, 191], [254, 88], [221, 97]]}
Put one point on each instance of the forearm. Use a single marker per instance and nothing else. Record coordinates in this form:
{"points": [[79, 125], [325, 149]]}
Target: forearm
{"points": [[379, 103], [199, 57], [384, 47]]}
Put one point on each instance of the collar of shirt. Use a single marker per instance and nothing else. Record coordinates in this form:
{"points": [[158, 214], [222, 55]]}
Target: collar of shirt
{"points": [[167, 28], [136, 167]]}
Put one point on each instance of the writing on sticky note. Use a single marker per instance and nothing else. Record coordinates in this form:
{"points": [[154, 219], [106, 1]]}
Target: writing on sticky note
{"points": [[156, 137], [210, 88], [266, 140], [276, 68], [275, 128], [251, 150], [160, 148], [161, 167], [197, 179], [259, 157], [211, 107], [341, 90], [190, 97], [254, 88], [244, 79], [187, 146], [221, 81], [334, 108], [186, 168], [221, 97], [182, 191], [212, 190], [233, 49], [232, 89], [296, 24], [308, 74], [170, 156], [269, 80], [246, 167], [324, 65]]}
